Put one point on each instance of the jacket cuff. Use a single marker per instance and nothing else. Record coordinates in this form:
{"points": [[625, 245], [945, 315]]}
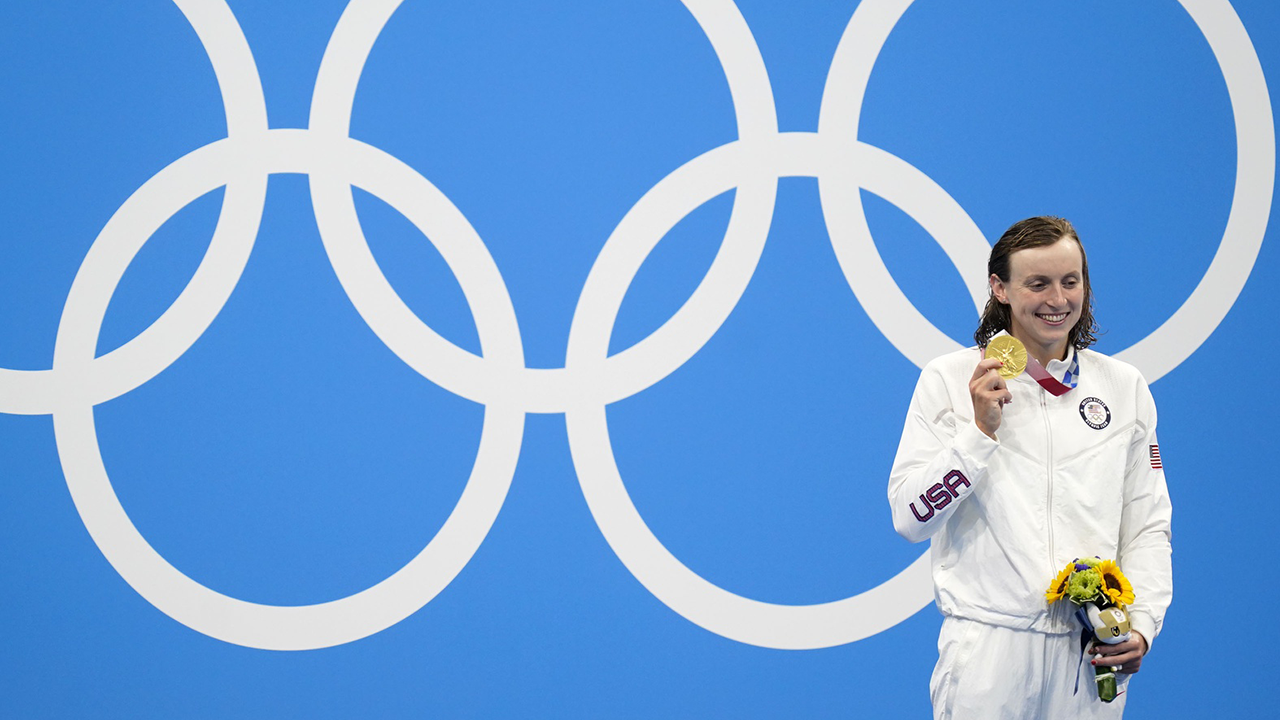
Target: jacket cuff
{"points": [[1145, 625]]}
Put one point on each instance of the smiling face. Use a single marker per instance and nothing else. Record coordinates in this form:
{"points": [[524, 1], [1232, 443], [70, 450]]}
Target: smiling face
{"points": [[1045, 294]]}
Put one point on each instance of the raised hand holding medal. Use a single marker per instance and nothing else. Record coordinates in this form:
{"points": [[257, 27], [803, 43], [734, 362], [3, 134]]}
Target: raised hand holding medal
{"points": [[1004, 359]]}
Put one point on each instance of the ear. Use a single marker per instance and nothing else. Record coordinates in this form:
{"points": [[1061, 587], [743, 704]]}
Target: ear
{"points": [[998, 290]]}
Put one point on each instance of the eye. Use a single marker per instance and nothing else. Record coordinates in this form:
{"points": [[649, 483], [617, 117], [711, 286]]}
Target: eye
{"points": [[1070, 282]]}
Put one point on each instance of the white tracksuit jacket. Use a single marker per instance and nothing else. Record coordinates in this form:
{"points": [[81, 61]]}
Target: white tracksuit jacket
{"points": [[1071, 476]]}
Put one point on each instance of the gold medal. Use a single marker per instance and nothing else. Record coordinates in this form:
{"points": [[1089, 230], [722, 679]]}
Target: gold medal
{"points": [[1010, 351]]}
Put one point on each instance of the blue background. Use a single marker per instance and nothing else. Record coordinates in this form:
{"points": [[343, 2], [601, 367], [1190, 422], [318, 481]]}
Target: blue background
{"points": [[289, 458]]}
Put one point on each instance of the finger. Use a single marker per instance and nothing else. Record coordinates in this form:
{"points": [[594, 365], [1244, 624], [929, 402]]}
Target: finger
{"points": [[999, 388], [1119, 648], [1116, 658], [1126, 668], [993, 380], [1129, 661], [984, 366]]}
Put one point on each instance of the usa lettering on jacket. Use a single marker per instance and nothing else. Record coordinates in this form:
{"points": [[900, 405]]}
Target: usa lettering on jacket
{"points": [[940, 495]]}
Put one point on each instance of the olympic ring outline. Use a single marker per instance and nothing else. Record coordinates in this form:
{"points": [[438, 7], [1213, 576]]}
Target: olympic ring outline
{"points": [[589, 381]]}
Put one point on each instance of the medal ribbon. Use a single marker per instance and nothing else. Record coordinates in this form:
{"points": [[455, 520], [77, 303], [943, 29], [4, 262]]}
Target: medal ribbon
{"points": [[1056, 388]]}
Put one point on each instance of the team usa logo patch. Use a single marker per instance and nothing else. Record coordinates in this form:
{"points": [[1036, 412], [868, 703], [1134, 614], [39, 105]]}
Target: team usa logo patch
{"points": [[1155, 458], [940, 495], [1096, 414]]}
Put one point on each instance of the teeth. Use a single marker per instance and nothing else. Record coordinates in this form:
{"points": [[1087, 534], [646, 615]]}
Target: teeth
{"points": [[1054, 318]]}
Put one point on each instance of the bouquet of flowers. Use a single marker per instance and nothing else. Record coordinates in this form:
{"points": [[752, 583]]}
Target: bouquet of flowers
{"points": [[1101, 593]]}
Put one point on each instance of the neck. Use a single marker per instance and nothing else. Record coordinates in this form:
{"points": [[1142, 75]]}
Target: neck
{"points": [[1044, 355]]}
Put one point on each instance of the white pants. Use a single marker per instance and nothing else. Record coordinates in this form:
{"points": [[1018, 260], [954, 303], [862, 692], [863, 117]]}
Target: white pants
{"points": [[993, 672]]}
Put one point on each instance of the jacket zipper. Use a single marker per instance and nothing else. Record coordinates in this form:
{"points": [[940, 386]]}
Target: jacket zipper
{"points": [[1048, 429], [1048, 524]]}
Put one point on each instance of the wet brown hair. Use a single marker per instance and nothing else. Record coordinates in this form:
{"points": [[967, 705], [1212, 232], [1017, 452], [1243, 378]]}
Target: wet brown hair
{"points": [[1033, 233]]}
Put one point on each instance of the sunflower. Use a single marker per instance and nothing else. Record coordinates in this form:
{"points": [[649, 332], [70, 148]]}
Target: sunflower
{"points": [[1059, 584], [1115, 584]]}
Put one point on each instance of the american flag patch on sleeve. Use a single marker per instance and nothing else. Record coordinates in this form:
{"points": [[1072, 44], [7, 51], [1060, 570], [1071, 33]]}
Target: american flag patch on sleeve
{"points": [[1155, 457]]}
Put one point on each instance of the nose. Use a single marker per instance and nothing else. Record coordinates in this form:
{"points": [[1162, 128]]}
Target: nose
{"points": [[1059, 298]]}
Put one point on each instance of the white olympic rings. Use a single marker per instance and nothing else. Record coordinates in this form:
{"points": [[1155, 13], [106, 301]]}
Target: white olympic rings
{"points": [[591, 378]]}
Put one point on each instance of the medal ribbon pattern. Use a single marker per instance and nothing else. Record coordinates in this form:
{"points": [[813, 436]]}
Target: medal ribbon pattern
{"points": [[1056, 387]]}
